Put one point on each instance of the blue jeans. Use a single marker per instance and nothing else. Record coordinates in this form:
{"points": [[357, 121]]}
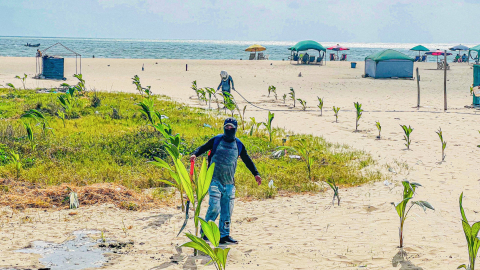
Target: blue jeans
{"points": [[222, 198]]}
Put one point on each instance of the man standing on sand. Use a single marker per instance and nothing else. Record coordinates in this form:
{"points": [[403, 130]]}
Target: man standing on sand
{"points": [[225, 149]]}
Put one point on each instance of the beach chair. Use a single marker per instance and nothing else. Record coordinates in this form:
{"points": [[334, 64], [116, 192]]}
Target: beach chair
{"points": [[261, 56], [252, 56], [311, 60], [332, 57], [344, 57], [305, 59], [417, 58], [320, 60], [424, 58]]}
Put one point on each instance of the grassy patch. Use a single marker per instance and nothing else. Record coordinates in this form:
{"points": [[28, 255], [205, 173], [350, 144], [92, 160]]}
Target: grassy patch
{"points": [[107, 140]]}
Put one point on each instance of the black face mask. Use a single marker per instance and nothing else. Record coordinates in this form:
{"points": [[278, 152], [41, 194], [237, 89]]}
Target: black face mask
{"points": [[229, 134]]}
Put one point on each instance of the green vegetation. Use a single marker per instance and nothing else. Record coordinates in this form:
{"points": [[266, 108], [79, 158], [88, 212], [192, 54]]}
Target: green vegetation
{"points": [[24, 79], [334, 187], [335, 111], [401, 207], [407, 130], [444, 144], [303, 103], [218, 255], [284, 98], [292, 95], [272, 89], [116, 141], [358, 108], [379, 127], [473, 242], [303, 149], [268, 125], [320, 105]]}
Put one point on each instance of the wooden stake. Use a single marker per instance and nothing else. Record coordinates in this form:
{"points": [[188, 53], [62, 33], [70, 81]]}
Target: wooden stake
{"points": [[418, 86], [445, 82]]}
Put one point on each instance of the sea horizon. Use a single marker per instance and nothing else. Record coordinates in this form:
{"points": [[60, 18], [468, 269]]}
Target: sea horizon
{"points": [[131, 48]]}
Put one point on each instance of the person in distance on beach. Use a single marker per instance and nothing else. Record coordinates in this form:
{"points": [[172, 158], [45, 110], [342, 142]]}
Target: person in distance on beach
{"points": [[224, 151], [225, 82]]}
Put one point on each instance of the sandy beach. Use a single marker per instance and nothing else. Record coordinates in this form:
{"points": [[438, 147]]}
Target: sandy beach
{"points": [[304, 231]]}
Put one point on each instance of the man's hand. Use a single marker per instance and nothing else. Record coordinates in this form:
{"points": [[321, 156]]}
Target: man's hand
{"points": [[192, 158], [258, 179]]}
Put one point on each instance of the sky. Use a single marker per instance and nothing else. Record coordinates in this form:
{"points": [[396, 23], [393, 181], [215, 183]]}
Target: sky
{"points": [[386, 21]]}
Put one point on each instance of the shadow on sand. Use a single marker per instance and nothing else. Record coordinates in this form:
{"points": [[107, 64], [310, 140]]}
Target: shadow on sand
{"points": [[401, 259]]}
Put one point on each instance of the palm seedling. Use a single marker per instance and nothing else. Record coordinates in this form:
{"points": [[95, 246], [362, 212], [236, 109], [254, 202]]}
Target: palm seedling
{"points": [[39, 118], [272, 89], [379, 127], [202, 95], [229, 102], [217, 255], [292, 95], [268, 124], [401, 207], [11, 86], [358, 108], [211, 93], [407, 130], [73, 199], [254, 126], [303, 103], [195, 88], [66, 104], [23, 79], [335, 111], [17, 162], [444, 144], [284, 98], [81, 83], [30, 137], [473, 242], [302, 148], [146, 108], [320, 105], [334, 187], [138, 85]]}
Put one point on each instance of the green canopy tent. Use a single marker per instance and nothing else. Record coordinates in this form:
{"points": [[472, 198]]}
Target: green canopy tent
{"points": [[307, 45], [474, 49], [388, 64], [419, 48]]}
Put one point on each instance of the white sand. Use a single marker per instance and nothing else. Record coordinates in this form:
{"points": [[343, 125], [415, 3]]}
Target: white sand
{"points": [[301, 232]]}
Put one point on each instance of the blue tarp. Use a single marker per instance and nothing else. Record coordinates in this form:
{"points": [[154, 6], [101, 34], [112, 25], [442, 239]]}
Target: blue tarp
{"points": [[389, 69]]}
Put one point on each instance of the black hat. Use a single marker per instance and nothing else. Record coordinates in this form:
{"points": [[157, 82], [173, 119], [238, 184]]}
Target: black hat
{"points": [[231, 122]]}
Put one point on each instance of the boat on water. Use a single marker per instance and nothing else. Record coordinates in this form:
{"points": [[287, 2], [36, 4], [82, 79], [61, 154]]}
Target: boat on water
{"points": [[32, 45]]}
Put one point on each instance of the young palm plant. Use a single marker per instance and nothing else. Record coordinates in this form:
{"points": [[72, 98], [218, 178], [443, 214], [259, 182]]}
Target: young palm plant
{"points": [[17, 161], [211, 93], [254, 126], [334, 187], [272, 89], [401, 207], [407, 130], [30, 137], [268, 125], [229, 102], [217, 255], [146, 108], [23, 79], [379, 127], [471, 233], [358, 108], [39, 118], [335, 111], [320, 105], [284, 98], [303, 103], [444, 144], [195, 88], [303, 149], [292, 95]]}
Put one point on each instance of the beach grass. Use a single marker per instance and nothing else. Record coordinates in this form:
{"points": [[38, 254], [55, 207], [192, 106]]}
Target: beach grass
{"points": [[111, 142]]}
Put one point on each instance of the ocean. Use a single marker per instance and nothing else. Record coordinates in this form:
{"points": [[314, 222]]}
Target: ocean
{"points": [[191, 49]]}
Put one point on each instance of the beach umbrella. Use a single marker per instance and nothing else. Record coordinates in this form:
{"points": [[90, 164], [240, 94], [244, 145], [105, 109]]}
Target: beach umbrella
{"points": [[459, 48], [419, 48], [255, 48], [338, 48], [437, 53]]}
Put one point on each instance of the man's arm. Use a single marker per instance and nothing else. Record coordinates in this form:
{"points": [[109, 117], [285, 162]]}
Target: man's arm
{"points": [[248, 162], [204, 148], [219, 85]]}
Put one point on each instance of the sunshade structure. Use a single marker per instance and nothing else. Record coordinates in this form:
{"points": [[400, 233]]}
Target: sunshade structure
{"points": [[459, 48], [474, 49], [419, 48], [307, 45], [388, 64], [338, 48], [255, 48], [437, 53]]}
